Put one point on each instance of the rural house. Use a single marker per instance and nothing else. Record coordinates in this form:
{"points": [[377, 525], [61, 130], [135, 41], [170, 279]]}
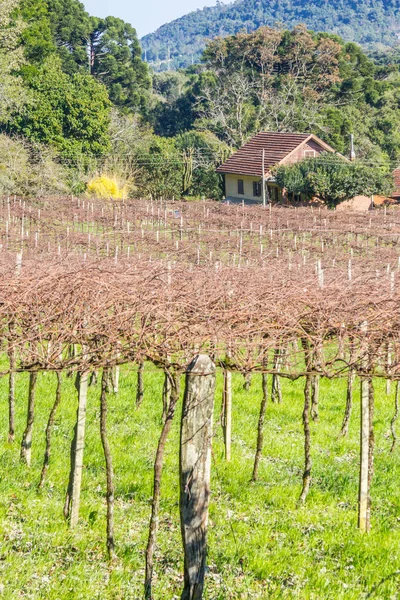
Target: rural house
{"points": [[243, 171]]}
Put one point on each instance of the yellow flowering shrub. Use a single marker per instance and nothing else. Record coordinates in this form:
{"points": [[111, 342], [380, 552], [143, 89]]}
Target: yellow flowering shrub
{"points": [[105, 187]]}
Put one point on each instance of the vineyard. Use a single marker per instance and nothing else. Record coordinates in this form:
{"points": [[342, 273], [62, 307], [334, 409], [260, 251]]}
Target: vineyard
{"points": [[161, 360]]}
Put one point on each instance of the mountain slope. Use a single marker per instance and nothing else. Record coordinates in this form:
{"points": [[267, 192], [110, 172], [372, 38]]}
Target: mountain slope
{"points": [[368, 22]]}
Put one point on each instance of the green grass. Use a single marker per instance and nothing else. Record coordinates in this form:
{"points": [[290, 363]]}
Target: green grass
{"points": [[260, 545]]}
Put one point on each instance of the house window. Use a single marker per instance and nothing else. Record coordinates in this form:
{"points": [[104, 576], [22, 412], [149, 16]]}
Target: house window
{"points": [[256, 189], [241, 187], [309, 153]]}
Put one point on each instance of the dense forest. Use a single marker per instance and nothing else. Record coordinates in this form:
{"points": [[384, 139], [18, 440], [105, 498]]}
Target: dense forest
{"points": [[80, 112], [372, 23]]}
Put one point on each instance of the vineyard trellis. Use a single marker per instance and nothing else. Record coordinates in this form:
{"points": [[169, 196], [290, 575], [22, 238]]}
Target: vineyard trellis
{"points": [[284, 292]]}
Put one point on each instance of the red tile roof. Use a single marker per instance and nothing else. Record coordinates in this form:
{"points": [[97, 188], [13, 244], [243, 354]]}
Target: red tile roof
{"points": [[248, 160]]}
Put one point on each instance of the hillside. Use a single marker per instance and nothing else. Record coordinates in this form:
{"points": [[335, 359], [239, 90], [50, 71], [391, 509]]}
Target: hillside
{"points": [[372, 23]]}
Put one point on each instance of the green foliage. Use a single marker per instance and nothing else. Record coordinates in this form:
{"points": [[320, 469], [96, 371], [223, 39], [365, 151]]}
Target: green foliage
{"points": [[160, 166], [201, 154], [11, 59], [71, 27], [115, 57], [38, 40], [333, 179], [27, 169], [69, 113], [367, 22], [174, 108]]}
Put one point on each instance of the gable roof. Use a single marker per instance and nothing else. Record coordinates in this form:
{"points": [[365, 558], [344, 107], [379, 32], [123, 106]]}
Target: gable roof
{"points": [[278, 146]]}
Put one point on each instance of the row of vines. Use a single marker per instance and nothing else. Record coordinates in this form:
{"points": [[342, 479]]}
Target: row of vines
{"points": [[290, 293]]}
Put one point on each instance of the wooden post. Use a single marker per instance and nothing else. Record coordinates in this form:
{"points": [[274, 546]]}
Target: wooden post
{"points": [[195, 471], [72, 502]]}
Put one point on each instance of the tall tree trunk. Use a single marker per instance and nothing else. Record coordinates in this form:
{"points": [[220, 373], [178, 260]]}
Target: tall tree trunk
{"points": [[49, 430], [109, 466], [195, 471], [227, 413], [26, 445], [260, 431], [396, 414], [307, 441], [158, 468], [349, 403], [140, 386], [73, 496]]}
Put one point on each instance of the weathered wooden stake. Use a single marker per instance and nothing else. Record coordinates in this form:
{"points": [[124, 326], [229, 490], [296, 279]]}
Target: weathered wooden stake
{"points": [[114, 376], [26, 445], [195, 471], [72, 501]]}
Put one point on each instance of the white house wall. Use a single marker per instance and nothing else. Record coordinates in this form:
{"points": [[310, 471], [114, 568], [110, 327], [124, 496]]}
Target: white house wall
{"points": [[231, 188]]}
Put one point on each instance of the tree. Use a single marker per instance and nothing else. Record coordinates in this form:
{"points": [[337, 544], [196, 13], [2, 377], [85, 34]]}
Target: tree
{"points": [[269, 80], [368, 22], [37, 35], [115, 61], [160, 168], [173, 111], [11, 59], [334, 179], [71, 27], [201, 154], [70, 113]]}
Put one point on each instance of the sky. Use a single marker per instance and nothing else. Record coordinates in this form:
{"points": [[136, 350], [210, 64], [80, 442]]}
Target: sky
{"points": [[145, 15]]}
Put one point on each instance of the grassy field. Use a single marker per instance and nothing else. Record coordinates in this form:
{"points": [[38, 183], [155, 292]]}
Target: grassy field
{"points": [[260, 544]]}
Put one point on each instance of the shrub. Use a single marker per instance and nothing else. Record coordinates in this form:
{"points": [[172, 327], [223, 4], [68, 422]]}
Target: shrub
{"points": [[106, 187]]}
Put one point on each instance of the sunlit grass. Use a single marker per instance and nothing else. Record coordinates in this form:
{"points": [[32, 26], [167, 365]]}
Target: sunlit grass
{"points": [[260, 544]]}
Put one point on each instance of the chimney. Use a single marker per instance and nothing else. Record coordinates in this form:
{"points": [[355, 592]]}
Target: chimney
{"points": [[352, 151]]}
